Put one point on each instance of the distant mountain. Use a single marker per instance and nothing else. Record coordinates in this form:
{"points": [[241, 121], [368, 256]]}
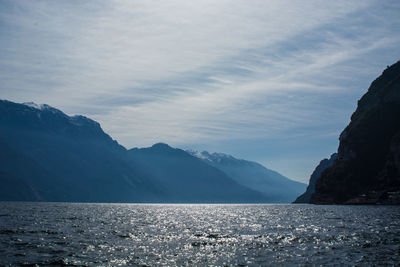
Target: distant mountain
{"points": [[189, 179], [322, 166], [46, 155], [49, 156], [277, 187], [367, 170]]}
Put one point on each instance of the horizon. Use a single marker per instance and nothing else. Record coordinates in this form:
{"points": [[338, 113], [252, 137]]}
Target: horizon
{"points": [[272, 82]]}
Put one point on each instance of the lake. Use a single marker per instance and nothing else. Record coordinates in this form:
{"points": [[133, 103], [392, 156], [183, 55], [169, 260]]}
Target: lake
{"points": [[185, 234]]}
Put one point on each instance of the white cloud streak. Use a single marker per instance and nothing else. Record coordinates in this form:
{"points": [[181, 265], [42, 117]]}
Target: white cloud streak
{"points": [[197, 71]]}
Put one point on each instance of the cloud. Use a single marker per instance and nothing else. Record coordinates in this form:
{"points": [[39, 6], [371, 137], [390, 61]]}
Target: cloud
{"points": [[106, 47], [187, 72], [275, 96]]}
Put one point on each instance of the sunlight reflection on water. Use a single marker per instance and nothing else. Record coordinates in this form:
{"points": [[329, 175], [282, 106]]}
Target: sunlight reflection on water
{"points": [[177, 234]]}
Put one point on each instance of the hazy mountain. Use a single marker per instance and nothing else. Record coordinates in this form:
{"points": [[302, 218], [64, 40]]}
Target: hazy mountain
{"points": [[49, 156], [322, 166], [367, 169], [277, 187], [189, 179]]}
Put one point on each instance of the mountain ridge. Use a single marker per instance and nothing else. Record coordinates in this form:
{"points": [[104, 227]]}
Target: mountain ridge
{"points": [[174, 165], [367, 170], [254, 175], [47, 155]]}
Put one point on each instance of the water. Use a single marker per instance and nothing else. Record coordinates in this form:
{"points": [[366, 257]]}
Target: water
{"points": [[153, 235]]}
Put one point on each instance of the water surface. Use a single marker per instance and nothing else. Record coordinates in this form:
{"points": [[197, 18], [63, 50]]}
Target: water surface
{"points": [[154, 235]]}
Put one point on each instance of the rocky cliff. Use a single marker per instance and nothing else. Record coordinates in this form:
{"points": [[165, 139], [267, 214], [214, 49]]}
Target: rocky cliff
{"points": [[367, 170], [322, 166]]}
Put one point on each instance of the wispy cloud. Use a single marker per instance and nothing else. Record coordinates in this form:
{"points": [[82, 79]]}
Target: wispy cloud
{"points": [[198, 71]]}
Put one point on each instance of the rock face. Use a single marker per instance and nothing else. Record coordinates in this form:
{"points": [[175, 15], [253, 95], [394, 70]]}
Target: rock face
{"points": [[322, 166], [367, 170], [278, 188]]}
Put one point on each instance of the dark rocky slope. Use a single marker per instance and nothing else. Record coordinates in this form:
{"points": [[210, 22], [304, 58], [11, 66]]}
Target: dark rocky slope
{"points": [[322, 166], [367, 170]]}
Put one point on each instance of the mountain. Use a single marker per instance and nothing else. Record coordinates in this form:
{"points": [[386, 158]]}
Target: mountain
{"points": [[277, 187], [322, 166], [46, 155], [49, 156], [367, 170], [189, 179]]}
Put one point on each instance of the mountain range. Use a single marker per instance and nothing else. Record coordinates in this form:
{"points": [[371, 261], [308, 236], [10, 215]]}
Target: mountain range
{"points": [[47, 155], [254, 175]]}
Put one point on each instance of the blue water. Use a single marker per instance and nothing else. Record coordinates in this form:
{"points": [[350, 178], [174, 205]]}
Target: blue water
{"points": [[160, 235]]}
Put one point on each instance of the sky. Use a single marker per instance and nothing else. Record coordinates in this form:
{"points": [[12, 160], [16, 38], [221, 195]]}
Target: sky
{"points": [[269, 81]]}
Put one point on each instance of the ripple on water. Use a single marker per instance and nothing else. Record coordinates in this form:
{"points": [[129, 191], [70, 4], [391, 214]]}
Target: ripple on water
{"points": [[151, 235]]}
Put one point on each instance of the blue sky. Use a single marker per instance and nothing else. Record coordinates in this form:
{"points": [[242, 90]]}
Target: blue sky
{"points": [[270, 81]]}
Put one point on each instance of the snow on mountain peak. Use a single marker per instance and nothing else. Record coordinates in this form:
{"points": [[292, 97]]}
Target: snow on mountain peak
{"points": [[210, 157], [32, 105], [40, 107]]}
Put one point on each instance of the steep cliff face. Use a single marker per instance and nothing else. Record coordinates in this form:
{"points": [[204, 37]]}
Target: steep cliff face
{"points": [[367, 170], [322, 166]]}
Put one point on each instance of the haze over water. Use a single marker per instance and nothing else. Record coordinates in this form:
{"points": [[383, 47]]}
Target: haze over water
{"points": [[159, 234]]}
